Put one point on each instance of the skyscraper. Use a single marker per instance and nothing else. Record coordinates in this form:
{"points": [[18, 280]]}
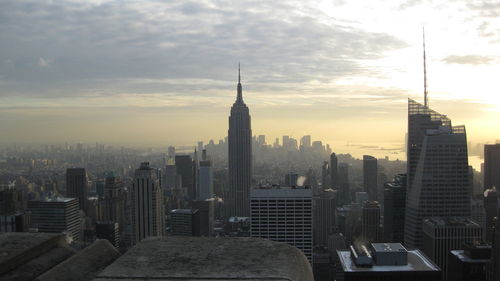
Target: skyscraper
{"points": [[344, 192], [185, 168], [370, 173], [438, 179], [394, 209], [334, 178], [324, 207], [237, 201], [114, 201], [370, 222], [148, 216], [206, 178], [491, 165], [77, 185]]}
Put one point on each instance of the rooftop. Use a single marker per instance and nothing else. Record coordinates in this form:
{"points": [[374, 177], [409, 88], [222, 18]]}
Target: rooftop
{"points": [[447, 222], [417, 261], [388, 247], [184, 211]]}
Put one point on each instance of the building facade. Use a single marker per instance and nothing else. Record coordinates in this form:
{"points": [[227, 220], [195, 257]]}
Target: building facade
{"points": [[285, 215]]}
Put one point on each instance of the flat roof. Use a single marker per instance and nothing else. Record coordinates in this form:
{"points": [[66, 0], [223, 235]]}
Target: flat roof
{"points": [[55, 199], [281, 192], [460, 254], [417, 261], [388, 247]]}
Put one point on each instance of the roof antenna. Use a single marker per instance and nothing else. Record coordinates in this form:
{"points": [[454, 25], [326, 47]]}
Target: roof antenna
{"points": [[426, 101]]}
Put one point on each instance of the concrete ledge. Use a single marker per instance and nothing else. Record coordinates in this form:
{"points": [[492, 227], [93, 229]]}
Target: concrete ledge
{"points": [[18, 248], [84, 265], [202, 258], [38, 265]]}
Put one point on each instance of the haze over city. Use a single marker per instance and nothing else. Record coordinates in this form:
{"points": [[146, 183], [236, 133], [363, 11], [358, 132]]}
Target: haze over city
{"points": [[152, 73]]}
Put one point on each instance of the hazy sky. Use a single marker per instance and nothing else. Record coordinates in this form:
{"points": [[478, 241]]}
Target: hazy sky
{"points": [[165, 72]]}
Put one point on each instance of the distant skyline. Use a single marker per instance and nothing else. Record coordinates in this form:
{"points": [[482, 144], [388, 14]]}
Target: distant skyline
{"points": [[152, 73]]}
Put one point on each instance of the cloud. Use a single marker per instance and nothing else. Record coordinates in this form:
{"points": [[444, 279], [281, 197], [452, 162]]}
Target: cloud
{"points": [[108, 46], [468, 59]]}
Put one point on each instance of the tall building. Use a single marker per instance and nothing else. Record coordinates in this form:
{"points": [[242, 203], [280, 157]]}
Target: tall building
{"points": [[394, 209], [325, 175], [108, 230], [370, 174], [285, 215], [305, 141], [56, 215], [491, 165], [148, 216], [185, 168], [206, 178], [370, 222], [443, 235], [491, 211], [438, 181], [344, 191], [494, 268], [237, 201], [206, 210], [324, 207], [114, 202], [77, 185], [334, 178]]}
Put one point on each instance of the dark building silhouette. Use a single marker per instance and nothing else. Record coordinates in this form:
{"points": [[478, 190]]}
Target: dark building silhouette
{"points": [[344, 192], [237, 199], [77, 185], [394, 209], [370, 173], [490, 210], [108, 230], [438, 179], [334, 176], [443, 235], [491, 165], [469, 264], [324, 207], [185, 222], [185, 168], [370, 222], [114, 201]]}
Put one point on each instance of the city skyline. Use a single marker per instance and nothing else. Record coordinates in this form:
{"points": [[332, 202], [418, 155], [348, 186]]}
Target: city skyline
{"points": [[352, 67]]}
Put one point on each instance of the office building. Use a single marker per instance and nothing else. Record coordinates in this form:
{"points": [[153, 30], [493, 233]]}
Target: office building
{"points": [[108, 230], [291, 179], [185, 169], [334, 177], [77, 185], [469, 264], [370, 222], [344, 192], [11, 201], [360, 197], [324, 207], [491, 166], [385, 262], [285, 215], [305, 141], [394, 209], [185, 222], [206, 216], [440, 185], [148, 216], [370, 177], [443, 235], [15, 222], [237, 197], [493, 271], [206, 179], [115, 198], [490, 211], [56, 215]]}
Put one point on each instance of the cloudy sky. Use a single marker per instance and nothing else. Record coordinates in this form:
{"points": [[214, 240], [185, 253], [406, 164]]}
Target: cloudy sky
{"points": [[164, 72]]}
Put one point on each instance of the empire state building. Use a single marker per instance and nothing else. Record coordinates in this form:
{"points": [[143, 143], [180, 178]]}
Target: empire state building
{"points": [[237, 201]]}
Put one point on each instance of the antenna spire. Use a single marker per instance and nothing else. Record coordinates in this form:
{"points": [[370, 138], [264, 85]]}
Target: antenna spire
{"points": [[426, 101], [239, 97]]}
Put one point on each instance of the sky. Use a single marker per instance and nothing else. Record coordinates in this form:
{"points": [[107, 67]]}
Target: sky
{"points": [[165, 72]]}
